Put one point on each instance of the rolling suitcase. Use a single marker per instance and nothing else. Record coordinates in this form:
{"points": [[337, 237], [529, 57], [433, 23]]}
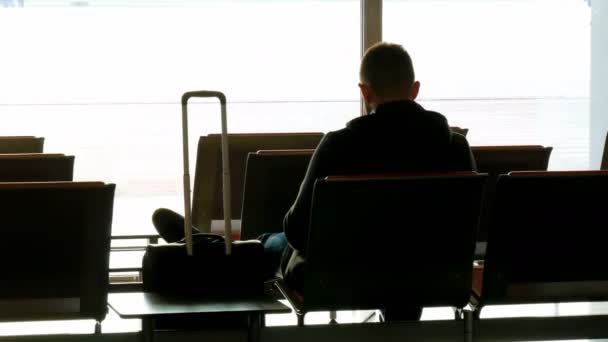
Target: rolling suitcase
{"points": [[205, 265]]}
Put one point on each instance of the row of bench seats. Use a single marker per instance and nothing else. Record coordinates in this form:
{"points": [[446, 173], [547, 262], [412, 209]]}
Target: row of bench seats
{"points": [[94, 204], [22, 160], [273, 177], [402, 260], [410, 240], [36, 167], [21, 144], [55, 236], [207, 190], [55, 249]]}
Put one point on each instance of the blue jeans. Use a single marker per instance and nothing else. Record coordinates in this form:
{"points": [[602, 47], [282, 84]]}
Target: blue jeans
{"points": [[274, 247]]}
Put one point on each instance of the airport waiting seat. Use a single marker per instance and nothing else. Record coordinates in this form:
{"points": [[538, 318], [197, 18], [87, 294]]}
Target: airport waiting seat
{"points": [[54, 250], [547, 243], [459, 130], [497, 160], [500, 159], [21, 144], [207, 189], [272, 182], [36, 167], [604, 165], [369, 242]]}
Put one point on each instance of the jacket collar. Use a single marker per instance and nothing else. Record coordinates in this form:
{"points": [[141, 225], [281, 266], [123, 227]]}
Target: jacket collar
{"points": [[397, 107]]}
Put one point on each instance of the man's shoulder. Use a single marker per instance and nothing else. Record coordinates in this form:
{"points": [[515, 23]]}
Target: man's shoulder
{"points": [[337, 136], [459, 140], [334, 144], [436, 115]]}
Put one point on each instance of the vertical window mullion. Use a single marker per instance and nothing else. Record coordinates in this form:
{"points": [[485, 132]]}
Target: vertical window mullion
{"points": [[371, 27]]}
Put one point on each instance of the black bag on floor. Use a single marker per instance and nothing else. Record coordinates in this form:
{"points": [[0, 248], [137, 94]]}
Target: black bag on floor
{"points": [[206, 265], [209, 271]]}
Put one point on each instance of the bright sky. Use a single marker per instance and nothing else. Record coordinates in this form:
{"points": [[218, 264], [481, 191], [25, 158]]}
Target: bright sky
{"points": [[289, 50]]}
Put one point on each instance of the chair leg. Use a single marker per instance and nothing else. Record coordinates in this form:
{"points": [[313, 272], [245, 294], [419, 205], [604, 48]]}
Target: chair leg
{"points": [[457, 314], [468, 325], [300, 319], [255, 325], [97, 328], [147, 329], [332, 317], [476, 313]]}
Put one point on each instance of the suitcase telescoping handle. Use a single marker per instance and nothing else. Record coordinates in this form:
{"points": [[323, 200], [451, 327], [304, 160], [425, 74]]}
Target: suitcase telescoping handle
{"points": [[225, 169]]}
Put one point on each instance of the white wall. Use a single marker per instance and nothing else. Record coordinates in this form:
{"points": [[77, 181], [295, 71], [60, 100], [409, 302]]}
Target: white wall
{"points": [[599, 79]]}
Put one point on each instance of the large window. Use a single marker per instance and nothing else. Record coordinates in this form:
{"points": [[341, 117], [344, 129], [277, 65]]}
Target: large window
{"points": [[512, 71], [102, 80]]}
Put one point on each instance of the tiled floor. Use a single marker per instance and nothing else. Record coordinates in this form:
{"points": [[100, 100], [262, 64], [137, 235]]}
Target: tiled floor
{"points": [[114, 324]]}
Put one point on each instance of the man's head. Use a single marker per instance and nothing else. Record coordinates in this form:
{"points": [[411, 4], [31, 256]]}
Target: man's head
{"points": [[386, 75]]}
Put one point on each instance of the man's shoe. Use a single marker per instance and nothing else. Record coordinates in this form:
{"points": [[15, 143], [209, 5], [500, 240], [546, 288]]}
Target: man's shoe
{"points": [[170, 225]]}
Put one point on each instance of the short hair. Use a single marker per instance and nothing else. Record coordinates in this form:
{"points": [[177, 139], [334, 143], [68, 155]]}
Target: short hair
{"points": [[387, 69]]}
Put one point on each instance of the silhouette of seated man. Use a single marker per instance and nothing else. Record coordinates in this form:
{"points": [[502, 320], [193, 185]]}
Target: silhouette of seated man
{"points": [[397, 135]]}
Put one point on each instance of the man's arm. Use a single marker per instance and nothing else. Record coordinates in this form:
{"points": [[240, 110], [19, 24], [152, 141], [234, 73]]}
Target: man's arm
{"points": [[295, 223], [464, 159]]}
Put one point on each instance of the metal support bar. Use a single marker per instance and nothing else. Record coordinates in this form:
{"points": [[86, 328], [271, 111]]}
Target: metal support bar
{"points": [[468, 325], [370, 317], [332, 317], [255, 324], [147, 330]]}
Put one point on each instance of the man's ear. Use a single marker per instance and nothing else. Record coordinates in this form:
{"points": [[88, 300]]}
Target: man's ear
{"points": [[367, 93], [415, 90]]}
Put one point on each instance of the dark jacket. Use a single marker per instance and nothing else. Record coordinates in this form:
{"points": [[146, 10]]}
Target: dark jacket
{"points": [[399, 137]]}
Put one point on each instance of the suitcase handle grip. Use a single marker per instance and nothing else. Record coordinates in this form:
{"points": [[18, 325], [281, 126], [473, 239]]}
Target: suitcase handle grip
{"points": [[203, 94], [225, 169]]}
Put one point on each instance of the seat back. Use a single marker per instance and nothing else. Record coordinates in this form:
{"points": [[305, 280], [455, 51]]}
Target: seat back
{"points": [[36, 167], [21, 144], [547, 241], [497, 160], [55, 249], [604, 165], [207, 189], [459, 130], [398, 241], [272, 182]]}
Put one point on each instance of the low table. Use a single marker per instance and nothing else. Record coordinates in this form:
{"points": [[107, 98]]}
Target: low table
{"points": [[151, 306]]}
